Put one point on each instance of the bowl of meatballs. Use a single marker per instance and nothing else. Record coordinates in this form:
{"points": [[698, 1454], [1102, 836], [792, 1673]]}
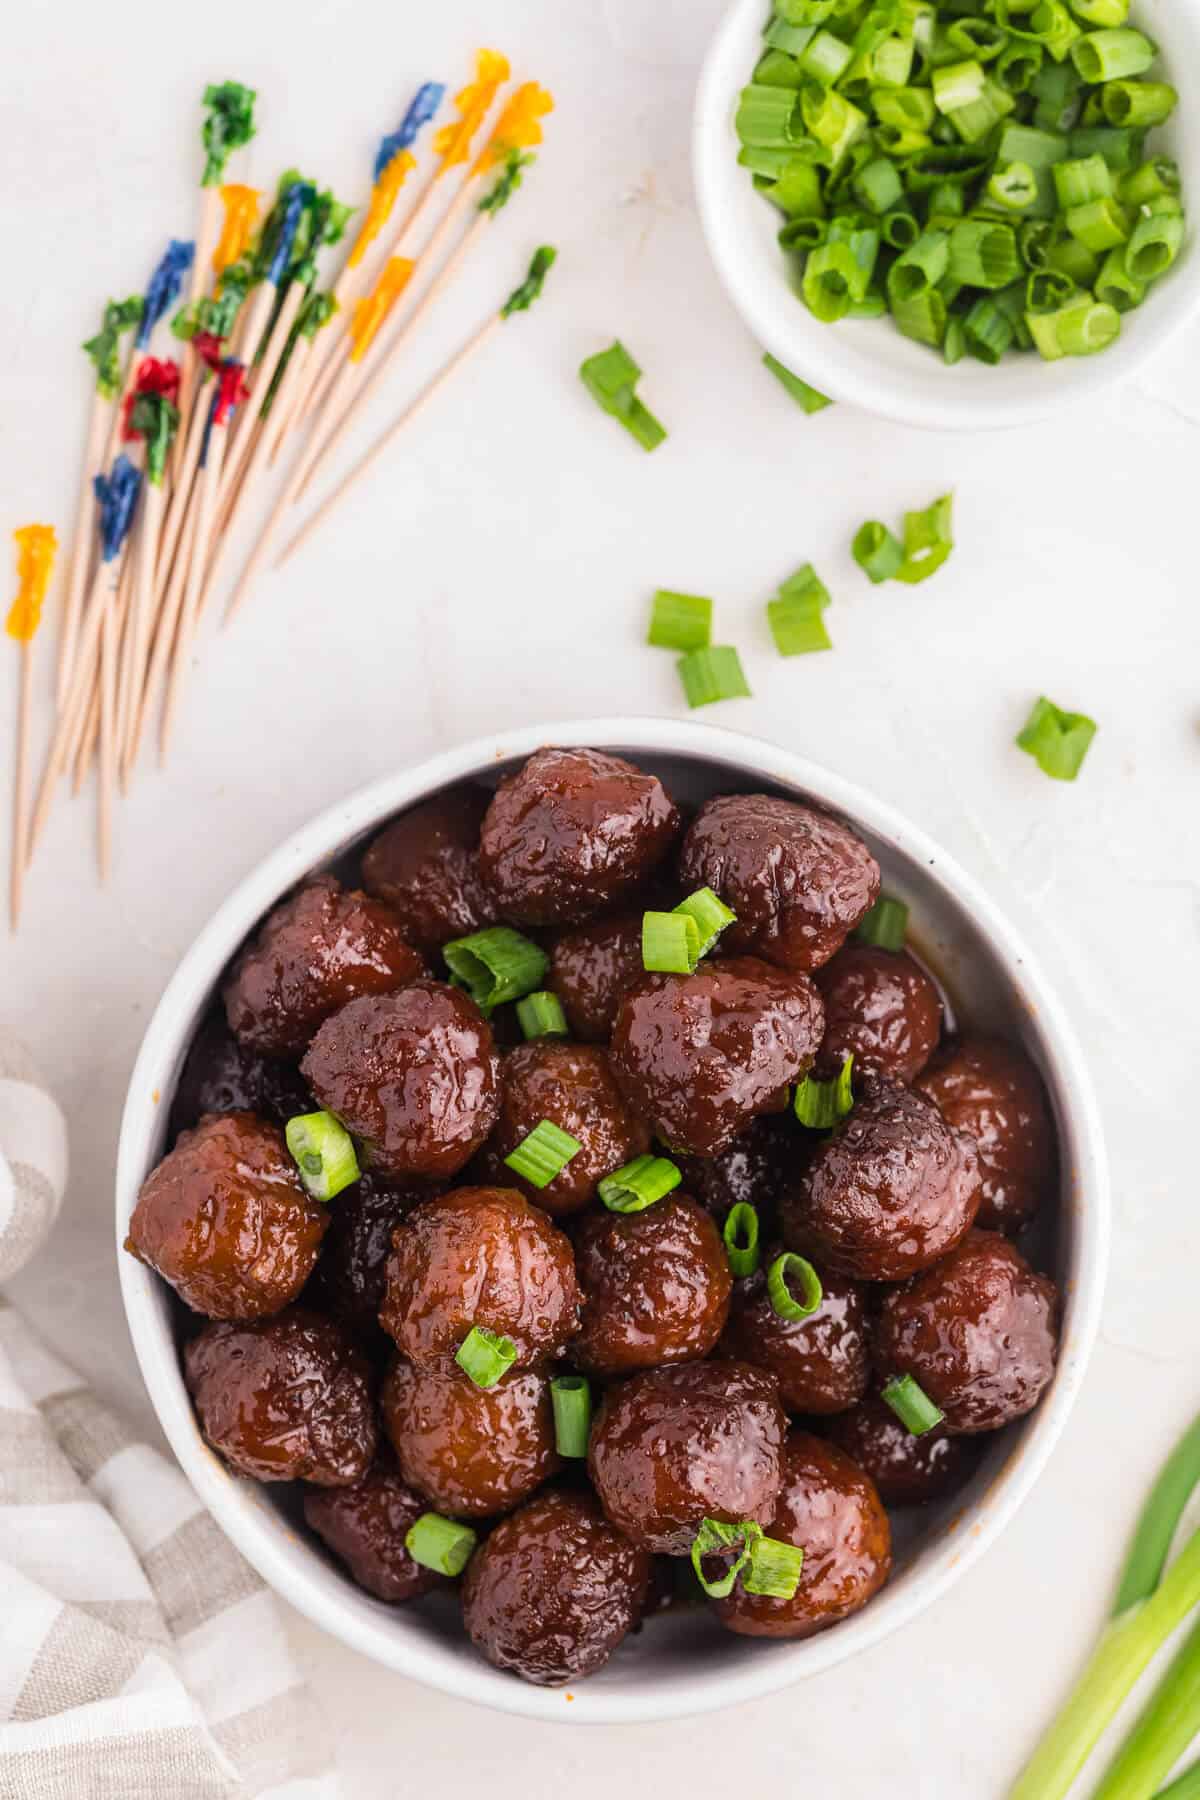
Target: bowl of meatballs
{"points": [[612, 1215]]}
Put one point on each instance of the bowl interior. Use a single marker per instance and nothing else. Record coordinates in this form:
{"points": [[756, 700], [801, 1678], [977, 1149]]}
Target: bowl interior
{"points": [[867, 361], [684, 1662]]}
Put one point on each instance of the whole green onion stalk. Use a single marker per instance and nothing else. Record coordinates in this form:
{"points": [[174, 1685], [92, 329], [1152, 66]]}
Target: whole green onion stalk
{"points": [[1149, 1606]]}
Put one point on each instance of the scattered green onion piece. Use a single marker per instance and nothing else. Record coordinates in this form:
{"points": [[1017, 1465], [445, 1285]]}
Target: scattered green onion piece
{"points": [[1140, 104], [886, 925], [680, 621], [1080, 179], [1013, 186], [712, 674], [638, 1184], [713, 1536], [805, 396], [542, 1155], [878, 554], [1153, 246], [711, 916], [541, 1015], [983, 254], [783, 1302], [820, 1104], [1111, 55], [610, 377], [1058, 741], [496, 965], [443, 1545], [323, 1151], [795, 615], [774, 1569], [571, 1398], [741, 1238], [485, 1356], [928, 540], [1115, 286], [670, 943], [912, 1405]]}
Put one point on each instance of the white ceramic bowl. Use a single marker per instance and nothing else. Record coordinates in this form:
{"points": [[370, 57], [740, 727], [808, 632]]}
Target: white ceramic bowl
{"points": [[866, 361], [685, 1664]]}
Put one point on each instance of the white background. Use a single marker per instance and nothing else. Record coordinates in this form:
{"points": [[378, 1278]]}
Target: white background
{"points": [[498, 571]]}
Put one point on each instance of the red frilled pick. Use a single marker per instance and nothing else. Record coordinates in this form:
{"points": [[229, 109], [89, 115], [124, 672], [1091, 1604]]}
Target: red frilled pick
{"points": [[153, 377]]}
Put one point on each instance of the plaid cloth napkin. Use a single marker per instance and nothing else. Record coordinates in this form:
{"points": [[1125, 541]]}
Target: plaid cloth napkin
{"points": [[140, 1657]]}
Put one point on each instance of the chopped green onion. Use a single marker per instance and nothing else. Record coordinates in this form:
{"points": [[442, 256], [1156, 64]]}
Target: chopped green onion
{"points": [[769, 117], [324, 1153], [1101, 12], [983, 254], [954, 344], [542, 1155], [976, 120], [485, 1355], [1151, 180], [776, 69], [906, 109], [899, 228], [541, 1015], [820, 1104], [831, 119], [680, 621], [928, 540], [987, 331], [639, 1184], [783, 1301], [804, 234], [1111, 55], [886, 925], [1115, 286], [923, 317], [571, 1397], [1120, 147], [710, 914], [878, 184], [1067, 256], [958, 85], [443, 1545], [774, 1569], [1018, 65], [670, 943], [919, 268], [1140, 104], [495, 965], [805, 396], [714, 1536], [912, 1405], [1100, 224], [1015, 185], [712, 674], [1080, 179], [1153, 245], [741, 1238], [878, 554], [830, 278], [892, 61], [826, 58], [796, 190], [610, 377], [795, 615], [1058, 741], [791, 39]]}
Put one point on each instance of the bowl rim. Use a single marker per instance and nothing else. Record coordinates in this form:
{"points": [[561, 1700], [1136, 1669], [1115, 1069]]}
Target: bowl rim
{"points": [[270, 1545], [912, 402]]}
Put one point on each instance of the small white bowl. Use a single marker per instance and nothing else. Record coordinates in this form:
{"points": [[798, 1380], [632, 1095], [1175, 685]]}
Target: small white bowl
{"points": [[683, 1664], [866, 361]]}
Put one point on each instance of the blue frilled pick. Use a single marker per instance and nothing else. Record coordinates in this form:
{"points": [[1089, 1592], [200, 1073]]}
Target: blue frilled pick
{"points": [[164, 286], [425, 103], [116, 495], [299, 195]]}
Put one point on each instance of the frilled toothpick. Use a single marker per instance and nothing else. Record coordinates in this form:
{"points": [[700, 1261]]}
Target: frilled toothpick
{"points": [[36, 549]]}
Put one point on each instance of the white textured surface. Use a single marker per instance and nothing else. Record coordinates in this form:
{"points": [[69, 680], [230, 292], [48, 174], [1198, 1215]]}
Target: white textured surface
{"points": [[499, 570]]}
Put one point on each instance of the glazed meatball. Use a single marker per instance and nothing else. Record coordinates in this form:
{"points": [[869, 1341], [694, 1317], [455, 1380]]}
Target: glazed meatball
{"points": [[471, 1450], [978, 1331], [572, 1085], [821, 1363], [284, 1399], [573, 832], [671, 1447], [323, 947], [226, 1221], [907, 1470], [798, 880], [994, 1093], [415, 1076], [702, 1054], [366, 1525], [219, 1076], [553, 1591], [425, 866], [352, 1267], [891, 1190], [655, 1287], [591, 968], [882, 1009], [480, 1256], [830, 1508], [756, 1170]]}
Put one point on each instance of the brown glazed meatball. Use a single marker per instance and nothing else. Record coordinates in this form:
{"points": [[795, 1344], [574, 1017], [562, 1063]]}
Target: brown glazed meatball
{"points": [[798, 880], [284, 1399], [415, 1076], [219, 1076], [366, 1525], [572, 1085], [352, 1267], [821, 1363], [591, 968], [480, 1256], [907, 1470], [888, 1192], [655, 1287], [756, 1169], [226, 1221], [671, 1447], [978, 1331], [471, 1450], [553, 1590], [830, 1508], [991, 1091], [702, 1054], [882, 1009], [572, 832], [425, 866], [323, 947]]}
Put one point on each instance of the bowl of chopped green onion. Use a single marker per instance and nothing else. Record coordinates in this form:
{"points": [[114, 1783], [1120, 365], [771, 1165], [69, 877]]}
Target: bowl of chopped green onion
{"points": [[960, 216]]}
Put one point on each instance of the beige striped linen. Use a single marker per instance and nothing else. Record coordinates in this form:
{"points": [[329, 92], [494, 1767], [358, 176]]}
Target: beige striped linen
{"points": [[141, 1658]]}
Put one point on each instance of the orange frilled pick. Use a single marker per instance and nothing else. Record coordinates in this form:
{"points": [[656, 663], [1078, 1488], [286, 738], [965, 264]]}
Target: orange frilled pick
{"points": [[383, 199], [453, 142], [37, 546], [371, 312], [241, 215], [519, 126]]}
